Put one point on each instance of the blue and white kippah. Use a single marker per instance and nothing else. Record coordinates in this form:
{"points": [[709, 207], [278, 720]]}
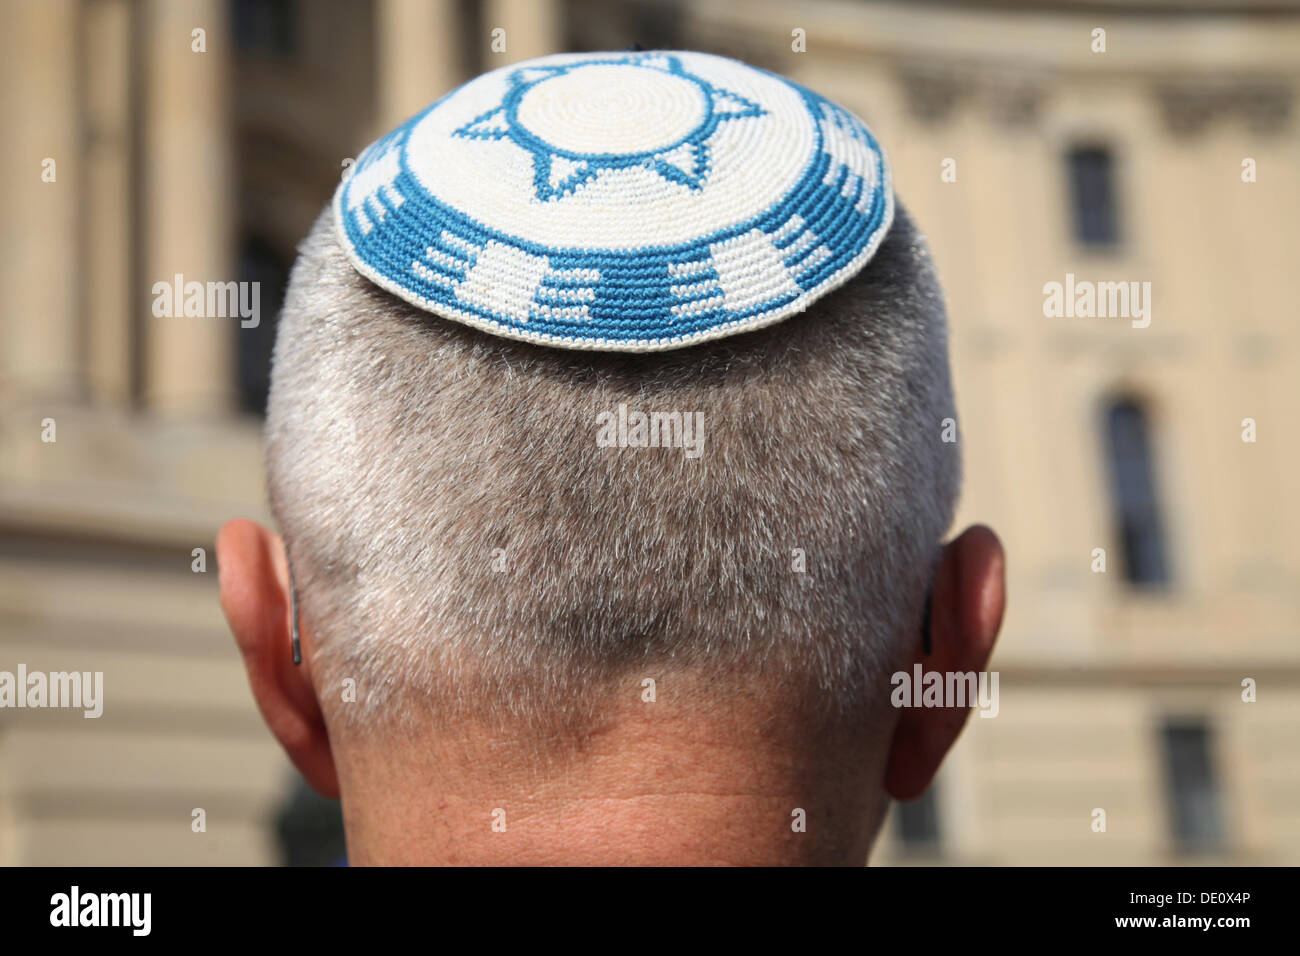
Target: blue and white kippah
{"points": [[618, 201]]}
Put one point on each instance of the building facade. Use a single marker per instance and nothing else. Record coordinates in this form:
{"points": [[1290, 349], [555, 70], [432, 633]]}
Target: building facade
{"points": [[1135, 464]]}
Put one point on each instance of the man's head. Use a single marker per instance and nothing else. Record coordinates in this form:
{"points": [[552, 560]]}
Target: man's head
{"points": [[530, 634]]}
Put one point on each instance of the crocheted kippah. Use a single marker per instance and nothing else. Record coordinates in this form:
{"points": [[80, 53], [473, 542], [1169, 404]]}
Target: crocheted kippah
{"points": [[618, 201]]}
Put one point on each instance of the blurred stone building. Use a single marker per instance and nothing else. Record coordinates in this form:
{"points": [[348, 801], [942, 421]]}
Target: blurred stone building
{"points": [[136, 149]]}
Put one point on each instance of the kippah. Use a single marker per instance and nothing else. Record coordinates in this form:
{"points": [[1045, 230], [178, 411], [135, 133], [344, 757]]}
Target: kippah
{"points": [[618, 201]]}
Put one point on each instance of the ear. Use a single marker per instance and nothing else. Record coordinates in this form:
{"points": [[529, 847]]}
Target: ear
{"points": [[255, 595], [966, 604]]}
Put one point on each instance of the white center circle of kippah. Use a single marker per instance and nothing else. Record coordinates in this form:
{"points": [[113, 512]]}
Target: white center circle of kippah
{"points": [[605, 109], [618, 201]]}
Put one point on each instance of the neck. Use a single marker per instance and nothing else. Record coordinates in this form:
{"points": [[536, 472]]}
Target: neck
{"points": [[650, 787]]}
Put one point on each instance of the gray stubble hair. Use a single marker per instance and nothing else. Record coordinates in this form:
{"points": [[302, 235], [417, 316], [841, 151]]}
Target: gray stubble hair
{"points": [[410, 459]]}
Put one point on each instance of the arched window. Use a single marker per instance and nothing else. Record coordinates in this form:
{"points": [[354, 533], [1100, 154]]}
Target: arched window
{"points": [[1134, 494], [1092, 195]]}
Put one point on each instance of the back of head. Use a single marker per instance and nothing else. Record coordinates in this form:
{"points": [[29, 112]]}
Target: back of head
{"points": [[607, 439], [468, 540]]}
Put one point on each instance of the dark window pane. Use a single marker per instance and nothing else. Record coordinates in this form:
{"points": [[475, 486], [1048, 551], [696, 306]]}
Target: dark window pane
{"points": [[1133, 490], [1193, 787], [656, 25], [253, 345], [309, 828], [264, 27], [1092, 193], [918, 823]]}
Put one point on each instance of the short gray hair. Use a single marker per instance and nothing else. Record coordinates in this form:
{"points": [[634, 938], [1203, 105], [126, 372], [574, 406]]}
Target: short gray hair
{"points": [[462, 544]]}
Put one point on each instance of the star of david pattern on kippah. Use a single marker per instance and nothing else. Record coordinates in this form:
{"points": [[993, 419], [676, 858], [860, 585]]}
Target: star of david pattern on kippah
{"points": [[618, 201], [559, 172]]}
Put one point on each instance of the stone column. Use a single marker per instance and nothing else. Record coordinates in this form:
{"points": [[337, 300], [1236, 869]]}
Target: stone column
{"points": [[418, 52], [532, 29], [188, 204], [40, 270], [108, 267]]}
